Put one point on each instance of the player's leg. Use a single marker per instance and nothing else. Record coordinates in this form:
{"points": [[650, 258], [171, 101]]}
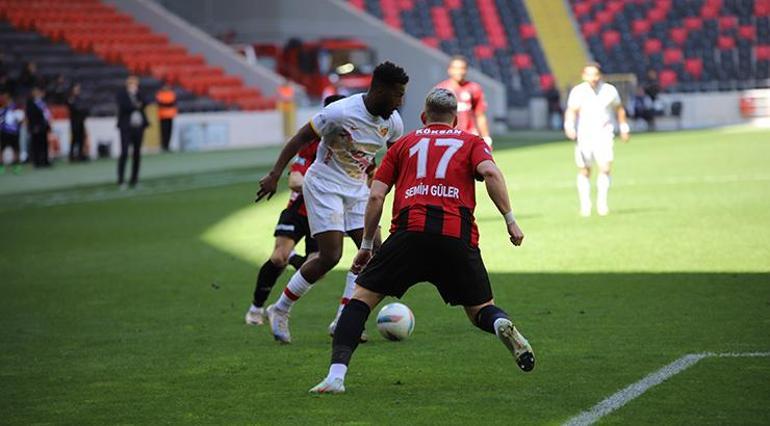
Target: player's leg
{"points": [[267, 276], [583, 163], [462, 279], [398, 257], [492, 319], [604, 158], [329, 254], [325, 214], [346, 338]]}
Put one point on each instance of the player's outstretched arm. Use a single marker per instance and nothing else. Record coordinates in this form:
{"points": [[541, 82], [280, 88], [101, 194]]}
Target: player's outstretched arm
{"points": [[269, 183], [498, 192], [371, 223]]}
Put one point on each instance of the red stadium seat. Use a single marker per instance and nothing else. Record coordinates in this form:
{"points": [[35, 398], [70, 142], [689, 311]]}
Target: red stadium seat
{"points": [[667, 78], [652, 46], [692, 23], [640, 26], [725, 42], [657, 15], [727, 22], [672, 56], [678, 35], [431, 41], [610, 38], [581, 9], [522, 61], [547, 81], [590, 29], [747, 32], [527, 31], [483, 52], [694, 67], [709, 12], [762, 52], [761, 8]]}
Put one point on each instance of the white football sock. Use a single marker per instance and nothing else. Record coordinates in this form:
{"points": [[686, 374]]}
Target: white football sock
{"points": [[296, 288], [350, 285], [337, 371], [584, 191], [602, 188]]}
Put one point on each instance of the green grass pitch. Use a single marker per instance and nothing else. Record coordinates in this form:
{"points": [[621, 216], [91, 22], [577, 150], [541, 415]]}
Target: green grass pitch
{"points": [[128, 307]]}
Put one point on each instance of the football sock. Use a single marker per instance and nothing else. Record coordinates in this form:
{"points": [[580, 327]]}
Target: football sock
{"points": [[296, 288], [487, 316], [337, 371], [296, 260], [350, 325], [268, 275], [350, 285], [602, 187], [584, 190]]}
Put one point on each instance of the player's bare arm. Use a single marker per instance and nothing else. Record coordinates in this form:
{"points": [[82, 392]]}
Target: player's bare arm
{"points": [[268, 185], [570, 120], [296, 179], [371, 224], [498, 192], [483, 125], [625, 129]]}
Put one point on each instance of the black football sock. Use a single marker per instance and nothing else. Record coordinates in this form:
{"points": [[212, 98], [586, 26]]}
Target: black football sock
{"points": [[297, 260], [350, 325], [487, 316], [268, 275]]}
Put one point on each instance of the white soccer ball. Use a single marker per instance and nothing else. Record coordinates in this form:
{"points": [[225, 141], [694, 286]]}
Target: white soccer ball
{"points": [[395, 321]]}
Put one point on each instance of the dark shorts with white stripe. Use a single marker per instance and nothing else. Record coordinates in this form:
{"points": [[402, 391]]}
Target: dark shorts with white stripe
{"points": [[293, 225], [452, 265]]}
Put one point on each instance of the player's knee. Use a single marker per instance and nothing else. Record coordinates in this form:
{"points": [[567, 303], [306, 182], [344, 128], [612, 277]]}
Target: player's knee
{"points": [[330, 258], [279, 259]]}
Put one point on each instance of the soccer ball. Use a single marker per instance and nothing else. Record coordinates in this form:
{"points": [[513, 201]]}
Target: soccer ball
{"points": [[395, 321]]}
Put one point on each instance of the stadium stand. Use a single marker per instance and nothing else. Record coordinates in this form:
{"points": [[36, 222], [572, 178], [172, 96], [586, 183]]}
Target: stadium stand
{"points": [[496, 36], [98, 45], [697, 45]]}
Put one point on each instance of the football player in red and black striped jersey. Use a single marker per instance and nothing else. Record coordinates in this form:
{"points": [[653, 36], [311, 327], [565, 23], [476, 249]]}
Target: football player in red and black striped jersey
{"points": [[434, 237]]}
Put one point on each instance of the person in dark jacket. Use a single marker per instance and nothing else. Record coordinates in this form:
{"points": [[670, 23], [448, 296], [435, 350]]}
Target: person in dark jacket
{"points": [[132, 121], [38, 125], [78, 112]]}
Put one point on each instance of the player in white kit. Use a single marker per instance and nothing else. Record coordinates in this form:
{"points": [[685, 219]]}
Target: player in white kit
{"points": [[335, 189], [591, 107]]}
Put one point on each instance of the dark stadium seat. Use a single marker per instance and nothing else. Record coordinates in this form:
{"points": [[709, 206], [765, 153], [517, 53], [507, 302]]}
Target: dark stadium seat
{"points": [[699, 44], [495, 35], [99, 34]]}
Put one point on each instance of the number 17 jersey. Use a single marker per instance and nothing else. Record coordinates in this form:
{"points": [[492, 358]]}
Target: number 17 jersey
{"points": [[433, 170]]}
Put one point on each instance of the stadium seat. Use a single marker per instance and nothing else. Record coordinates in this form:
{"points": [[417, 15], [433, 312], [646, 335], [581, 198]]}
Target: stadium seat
{"points": [[706, 44], [93, 27], [494, 35]]}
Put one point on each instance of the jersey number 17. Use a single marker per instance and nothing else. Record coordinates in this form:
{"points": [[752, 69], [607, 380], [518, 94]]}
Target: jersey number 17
{"points": [[422, 148]]}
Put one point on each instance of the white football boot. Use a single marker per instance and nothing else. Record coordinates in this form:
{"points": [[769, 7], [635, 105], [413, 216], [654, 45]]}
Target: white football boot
{"points": [[602, 209], [333, 386], [279, 324], [516, 343], [255, 317]]}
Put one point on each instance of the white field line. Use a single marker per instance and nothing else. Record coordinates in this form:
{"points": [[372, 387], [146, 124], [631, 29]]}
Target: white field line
{"points": [[622, 397], [193, 183]]}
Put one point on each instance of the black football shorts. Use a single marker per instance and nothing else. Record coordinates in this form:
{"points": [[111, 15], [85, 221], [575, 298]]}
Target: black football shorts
{"points": [[451, 264]]}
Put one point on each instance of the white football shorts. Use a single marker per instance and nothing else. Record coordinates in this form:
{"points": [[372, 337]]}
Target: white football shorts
{"points": [[332, 206], [599, 150]]}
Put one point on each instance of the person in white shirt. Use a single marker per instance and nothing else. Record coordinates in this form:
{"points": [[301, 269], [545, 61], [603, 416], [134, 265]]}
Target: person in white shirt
{"points": [[335, 189], [591, 109]]}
